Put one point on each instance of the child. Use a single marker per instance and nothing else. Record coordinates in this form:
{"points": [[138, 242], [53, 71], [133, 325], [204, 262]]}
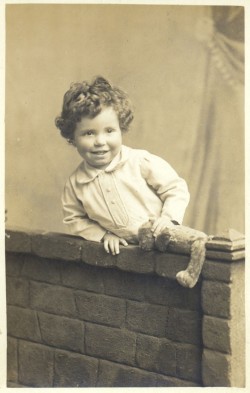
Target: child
{"points": [[115, 189]]}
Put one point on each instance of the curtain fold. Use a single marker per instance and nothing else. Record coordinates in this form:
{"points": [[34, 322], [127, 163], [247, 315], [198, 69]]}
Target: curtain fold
{"points": [[216, 177]]}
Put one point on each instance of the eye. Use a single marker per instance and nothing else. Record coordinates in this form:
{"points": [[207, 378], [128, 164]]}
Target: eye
{"points": [[88, 133], [109, 130]]}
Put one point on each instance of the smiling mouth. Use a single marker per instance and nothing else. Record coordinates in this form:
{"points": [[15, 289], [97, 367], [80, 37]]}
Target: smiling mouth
{"points": [[100, 153]]}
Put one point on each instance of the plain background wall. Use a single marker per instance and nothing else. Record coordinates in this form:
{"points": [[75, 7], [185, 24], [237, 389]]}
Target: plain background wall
{"points": [[149, 50]]}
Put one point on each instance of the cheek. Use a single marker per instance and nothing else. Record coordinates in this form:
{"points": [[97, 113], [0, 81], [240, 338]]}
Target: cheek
{"points": [[117, 141], [84, 145]]}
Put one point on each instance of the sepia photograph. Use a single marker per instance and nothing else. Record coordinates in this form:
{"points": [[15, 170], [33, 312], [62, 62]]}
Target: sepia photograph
{"points": [[124, 195]]}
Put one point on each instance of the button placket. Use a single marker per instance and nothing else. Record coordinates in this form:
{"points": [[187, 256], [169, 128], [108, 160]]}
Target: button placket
{"points": [[113, 200]]}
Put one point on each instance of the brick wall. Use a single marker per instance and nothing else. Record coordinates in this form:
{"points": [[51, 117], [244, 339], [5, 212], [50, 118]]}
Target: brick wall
{"points": [[78, 317]]}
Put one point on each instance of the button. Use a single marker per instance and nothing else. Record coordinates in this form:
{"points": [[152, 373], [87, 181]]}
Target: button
{"points": [[113, 202], [108, 189]]}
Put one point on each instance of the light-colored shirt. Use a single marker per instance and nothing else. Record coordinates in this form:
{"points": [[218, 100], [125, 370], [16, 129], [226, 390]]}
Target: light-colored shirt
{"points": [[135, 187]]}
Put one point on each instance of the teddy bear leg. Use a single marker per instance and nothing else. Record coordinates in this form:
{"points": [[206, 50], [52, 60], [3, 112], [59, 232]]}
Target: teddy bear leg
{"points": [[189, 277]]}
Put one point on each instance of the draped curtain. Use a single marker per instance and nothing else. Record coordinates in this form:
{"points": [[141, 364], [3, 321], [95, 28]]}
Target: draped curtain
{"points": [[216, 173]]}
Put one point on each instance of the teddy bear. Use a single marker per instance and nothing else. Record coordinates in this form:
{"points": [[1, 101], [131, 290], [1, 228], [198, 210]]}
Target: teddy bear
{"points": [[178, 238]]}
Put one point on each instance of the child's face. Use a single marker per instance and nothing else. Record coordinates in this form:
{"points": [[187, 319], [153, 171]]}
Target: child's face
{"points": [[98, 140]]}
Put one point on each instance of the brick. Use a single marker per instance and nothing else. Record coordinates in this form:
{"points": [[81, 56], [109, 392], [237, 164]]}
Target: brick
{"points": [[160, 290], [117, 375], [184, 326], [74, 370], [102, 309], [226, 256], [23, 323], [41, 269], [17, 241], [217, 271], [36, 363], [193, 298], [188, 358], [52, 299], [110, 343], [216, 369], [14, 263], [222, 293], [163, 291], [62, 332], [12, 366], [227, 240], [168, 265], [17, 291], [124, 284], [146, 318], [133, 259], [82, 276], [93, 253], [154, 354], [216, 334], [57, 246], [174, 382]]}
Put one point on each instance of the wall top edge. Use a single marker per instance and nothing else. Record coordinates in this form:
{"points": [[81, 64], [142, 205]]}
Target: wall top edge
{"points": [[228, 247]]}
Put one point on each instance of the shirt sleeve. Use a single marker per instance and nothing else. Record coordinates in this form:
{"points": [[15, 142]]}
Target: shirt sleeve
{"points": [[171, 189], [76, 218]]}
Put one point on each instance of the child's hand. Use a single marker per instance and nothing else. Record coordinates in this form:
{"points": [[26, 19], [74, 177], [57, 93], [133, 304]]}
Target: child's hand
{"points": [[160, 224], [112, 242]]}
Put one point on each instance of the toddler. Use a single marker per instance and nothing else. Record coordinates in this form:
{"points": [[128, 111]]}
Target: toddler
{"points": [[115, 189]]}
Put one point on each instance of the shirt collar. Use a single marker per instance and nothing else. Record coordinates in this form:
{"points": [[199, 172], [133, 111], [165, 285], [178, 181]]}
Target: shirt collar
{"points": [[86, 173]]}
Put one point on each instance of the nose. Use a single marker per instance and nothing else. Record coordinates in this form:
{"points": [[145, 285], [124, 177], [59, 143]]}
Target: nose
{"points": [[100, 140]]}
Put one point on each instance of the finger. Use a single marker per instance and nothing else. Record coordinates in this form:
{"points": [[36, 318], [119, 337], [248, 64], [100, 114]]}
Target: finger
{"points": [[117, 247], [158, 229], [123, 242], [154, 226], [156, 232], [111, 246], [114, 246], [106, 246]]}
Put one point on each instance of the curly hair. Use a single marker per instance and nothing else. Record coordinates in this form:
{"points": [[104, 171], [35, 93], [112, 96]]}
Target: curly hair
{"points": [[88, 100]]}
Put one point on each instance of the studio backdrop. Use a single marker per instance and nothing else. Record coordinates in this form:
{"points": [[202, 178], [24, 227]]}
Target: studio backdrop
{"points": [[183, 67]]}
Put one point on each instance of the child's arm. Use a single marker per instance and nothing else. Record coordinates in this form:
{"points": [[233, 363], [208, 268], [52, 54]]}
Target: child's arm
{"points": [[76, 218], [171, 189], [80, 224]]}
